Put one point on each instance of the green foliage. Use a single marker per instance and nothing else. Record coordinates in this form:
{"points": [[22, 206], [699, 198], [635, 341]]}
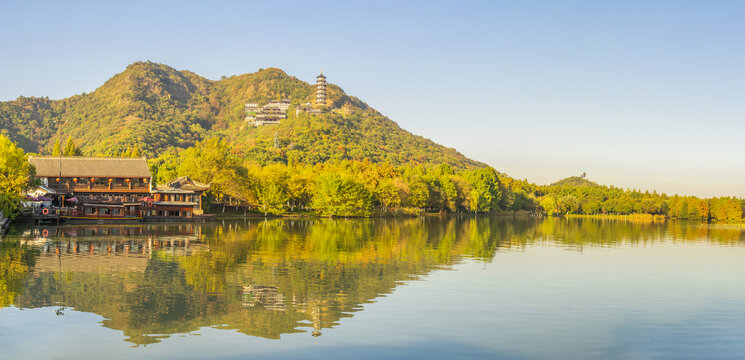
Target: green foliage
{"points": [[149, 108], [16, 175], [358, 134], [165, 167], [212, 162], [485, 190], [71, 149], [580, 196], [193, 126], [548, 203], [726, 209], [575, 181], [57, 150], [338, 195]]}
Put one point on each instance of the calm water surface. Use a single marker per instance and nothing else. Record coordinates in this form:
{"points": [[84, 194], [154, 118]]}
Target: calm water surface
{"points": [[435, 287]]}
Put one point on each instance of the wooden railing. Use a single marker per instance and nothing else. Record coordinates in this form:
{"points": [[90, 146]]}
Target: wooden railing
{"points": [[99, 187]]}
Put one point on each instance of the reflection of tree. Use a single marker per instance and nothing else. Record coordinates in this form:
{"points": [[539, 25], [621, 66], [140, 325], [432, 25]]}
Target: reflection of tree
{"points": [[162, 298], [584, 232], [15, 262], [277, 277]]}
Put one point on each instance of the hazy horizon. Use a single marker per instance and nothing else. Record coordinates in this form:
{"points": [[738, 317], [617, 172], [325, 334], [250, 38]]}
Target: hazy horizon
{"points": [[638, 95]]}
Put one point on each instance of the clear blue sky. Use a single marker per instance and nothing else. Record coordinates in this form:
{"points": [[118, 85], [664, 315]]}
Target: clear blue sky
{"points": [[640, 94]]}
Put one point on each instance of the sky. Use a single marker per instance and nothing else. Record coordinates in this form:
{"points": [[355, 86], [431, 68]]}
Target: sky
{"points": [[646, 95]]}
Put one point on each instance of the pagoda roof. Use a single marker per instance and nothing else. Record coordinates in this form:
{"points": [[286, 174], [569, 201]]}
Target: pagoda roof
{"points": [[182, 185]]}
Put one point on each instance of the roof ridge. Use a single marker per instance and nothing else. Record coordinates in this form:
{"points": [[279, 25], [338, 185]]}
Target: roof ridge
{"points": [[88, 157]]}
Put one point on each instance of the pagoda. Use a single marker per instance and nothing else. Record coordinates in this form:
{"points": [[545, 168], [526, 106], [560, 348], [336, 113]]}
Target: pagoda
{"points": [[321, 89]]}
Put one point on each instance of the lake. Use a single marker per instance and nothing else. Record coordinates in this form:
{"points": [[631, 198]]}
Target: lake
{"points": [[430, 287]]}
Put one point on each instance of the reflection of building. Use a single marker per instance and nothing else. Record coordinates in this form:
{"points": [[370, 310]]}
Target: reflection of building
{"points": [[90, 248], [267, 296], [270, 298]]}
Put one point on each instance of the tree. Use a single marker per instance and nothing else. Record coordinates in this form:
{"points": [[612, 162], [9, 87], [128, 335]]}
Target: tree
{"points": [[388, 194], [300, 186], [211, 161], [271, 188], [16, 175], [165, 167], [57, 150], [341, 196], [71, 149], [548, 203], [418, 194], [485, 190]]}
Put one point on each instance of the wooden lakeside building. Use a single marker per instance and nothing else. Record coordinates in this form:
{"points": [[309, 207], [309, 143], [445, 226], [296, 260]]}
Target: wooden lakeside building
{"points": [[111, 189], [179, 198]]}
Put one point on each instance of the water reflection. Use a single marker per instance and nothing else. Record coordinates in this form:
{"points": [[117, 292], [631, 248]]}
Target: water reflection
{"points": [[268, 278]]}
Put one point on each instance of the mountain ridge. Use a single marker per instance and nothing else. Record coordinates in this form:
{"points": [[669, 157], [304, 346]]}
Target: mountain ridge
{"points": [[154, 107], [574, 181]]}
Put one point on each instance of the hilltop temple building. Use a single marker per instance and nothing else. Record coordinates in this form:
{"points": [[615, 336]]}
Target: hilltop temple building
{"points": [[276, 110], [271, 113]]}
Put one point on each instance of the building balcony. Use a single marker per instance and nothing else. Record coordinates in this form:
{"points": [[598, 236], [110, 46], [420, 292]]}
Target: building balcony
{"points": [[113, 188]]}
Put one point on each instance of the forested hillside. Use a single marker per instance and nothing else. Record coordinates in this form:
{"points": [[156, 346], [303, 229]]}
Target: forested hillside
{"points": [[153, 107], [349, 160]]}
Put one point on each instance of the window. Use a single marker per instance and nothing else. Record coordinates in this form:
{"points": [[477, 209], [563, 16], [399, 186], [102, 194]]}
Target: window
{"points": [[115, 212], [90, 211], [105, 211]]}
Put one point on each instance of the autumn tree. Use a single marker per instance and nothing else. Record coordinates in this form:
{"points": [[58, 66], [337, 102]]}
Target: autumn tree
{"points": [[71, 149], [57, 150], [16, 175]]}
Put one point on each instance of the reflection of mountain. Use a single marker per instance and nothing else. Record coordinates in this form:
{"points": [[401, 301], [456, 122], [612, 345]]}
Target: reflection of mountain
{"points": [[270, 278]]}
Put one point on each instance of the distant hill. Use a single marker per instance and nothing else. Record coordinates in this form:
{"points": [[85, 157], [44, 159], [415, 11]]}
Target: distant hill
{"points": [[574, 181], [154, 107]]}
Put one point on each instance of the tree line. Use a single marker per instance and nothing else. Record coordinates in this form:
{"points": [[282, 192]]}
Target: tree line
{"points": [[365, 188], [596, 199], [338, 188]]}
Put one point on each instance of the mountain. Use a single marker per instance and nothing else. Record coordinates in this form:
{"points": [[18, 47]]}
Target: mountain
{"points": [[154, 107], [574, 181]]}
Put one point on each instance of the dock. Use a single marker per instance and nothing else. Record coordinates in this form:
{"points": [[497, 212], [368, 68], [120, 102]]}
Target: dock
{"points": [[51, 216]]}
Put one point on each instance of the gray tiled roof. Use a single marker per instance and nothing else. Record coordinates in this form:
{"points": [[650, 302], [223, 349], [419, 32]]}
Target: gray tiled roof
{"points": [[78, 166]]}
